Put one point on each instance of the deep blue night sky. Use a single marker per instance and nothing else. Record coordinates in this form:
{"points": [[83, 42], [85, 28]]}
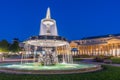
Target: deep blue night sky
{"points": [[75, 18]]}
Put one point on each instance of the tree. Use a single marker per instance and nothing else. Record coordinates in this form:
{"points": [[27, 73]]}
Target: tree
{"points": [[14, 47], [4, 46]]}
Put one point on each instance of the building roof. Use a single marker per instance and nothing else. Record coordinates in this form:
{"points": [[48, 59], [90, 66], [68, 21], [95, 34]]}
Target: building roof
{"points": [[103, 36]]}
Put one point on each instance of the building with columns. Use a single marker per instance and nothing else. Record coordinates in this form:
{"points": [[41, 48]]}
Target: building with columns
{"points": [[107, 45]]}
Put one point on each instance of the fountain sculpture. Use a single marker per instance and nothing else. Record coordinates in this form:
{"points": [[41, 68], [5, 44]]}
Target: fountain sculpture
{"points": [[44, 47]]}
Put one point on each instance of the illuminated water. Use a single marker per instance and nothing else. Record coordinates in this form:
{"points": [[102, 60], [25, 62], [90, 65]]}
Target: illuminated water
{"points": [[37, 66]]}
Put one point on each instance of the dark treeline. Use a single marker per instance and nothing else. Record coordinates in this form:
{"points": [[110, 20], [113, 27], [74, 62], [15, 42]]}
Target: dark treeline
{"points": [[5, 46]]}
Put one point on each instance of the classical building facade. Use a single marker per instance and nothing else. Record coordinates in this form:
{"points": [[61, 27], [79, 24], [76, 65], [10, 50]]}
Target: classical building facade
{"points": [[108, 45]]}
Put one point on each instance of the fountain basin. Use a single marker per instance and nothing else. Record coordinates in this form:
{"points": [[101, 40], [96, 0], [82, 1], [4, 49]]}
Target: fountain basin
{"points": [[61, 68]]}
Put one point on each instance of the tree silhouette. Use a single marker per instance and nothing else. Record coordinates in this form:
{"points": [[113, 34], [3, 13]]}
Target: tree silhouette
{"points": [[4, 46], [14, 47]]}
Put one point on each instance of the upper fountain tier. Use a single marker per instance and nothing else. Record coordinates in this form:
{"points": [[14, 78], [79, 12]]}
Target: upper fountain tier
{"points": [[48, 26], [48, 36]]}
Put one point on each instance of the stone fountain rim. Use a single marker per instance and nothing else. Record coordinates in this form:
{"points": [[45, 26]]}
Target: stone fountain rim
{"points": [[67, 71]]}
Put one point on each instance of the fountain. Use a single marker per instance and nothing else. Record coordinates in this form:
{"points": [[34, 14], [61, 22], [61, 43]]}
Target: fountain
{"points": [[42, 50], [44, 46]]}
